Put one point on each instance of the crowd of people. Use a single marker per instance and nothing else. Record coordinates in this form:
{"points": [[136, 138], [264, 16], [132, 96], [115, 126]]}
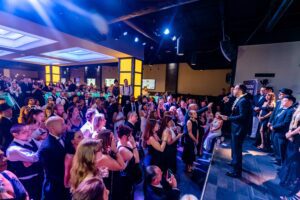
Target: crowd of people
{"points": [[68, 143]]}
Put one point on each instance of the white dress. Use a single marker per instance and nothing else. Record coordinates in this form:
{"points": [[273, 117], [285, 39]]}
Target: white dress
{"points": [[208, 140]]}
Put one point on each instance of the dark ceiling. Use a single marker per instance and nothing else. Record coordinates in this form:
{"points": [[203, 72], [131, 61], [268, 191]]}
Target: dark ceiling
{"points": [[197, 22]]}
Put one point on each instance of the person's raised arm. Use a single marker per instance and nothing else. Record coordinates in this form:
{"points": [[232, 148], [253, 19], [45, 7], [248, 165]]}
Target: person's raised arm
{"points": [[155, 144]]}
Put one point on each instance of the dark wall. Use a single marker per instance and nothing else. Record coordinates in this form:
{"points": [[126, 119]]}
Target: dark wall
{"points": [[172, 77]]}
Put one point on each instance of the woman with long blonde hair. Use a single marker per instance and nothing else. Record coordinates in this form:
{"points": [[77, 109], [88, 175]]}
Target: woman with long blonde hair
{"points": [[84, 162], [264, 116]]}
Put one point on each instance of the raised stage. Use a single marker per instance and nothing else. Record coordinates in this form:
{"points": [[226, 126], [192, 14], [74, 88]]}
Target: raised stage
{"points": [[259, 179]]}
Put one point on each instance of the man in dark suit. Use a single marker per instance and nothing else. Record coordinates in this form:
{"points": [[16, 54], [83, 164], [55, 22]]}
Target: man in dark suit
{"points": [[156, 187], [131, 106], [5, 125], [240, 125], [282, 92], [131, 121], [258, 101], [52, 155], [280, 126]]}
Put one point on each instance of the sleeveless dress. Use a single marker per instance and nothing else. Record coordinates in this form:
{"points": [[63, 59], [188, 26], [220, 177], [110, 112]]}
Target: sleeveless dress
{"points": [[171, 154], [189, 153], [126, 184], [153, 157]]}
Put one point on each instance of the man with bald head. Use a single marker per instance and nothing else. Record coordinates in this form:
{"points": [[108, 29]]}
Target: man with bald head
{"points": [[52, 154]]}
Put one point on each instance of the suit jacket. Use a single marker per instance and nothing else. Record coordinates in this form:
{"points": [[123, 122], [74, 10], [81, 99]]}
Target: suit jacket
{"points": [[164, 193], [258, 101], [5, 137], [282, 120], [240, 117], [128, 108], [277, 107], [52, 156]]}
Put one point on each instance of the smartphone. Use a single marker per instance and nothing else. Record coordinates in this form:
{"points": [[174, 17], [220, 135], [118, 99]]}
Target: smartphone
{"points": [[170, 173]]}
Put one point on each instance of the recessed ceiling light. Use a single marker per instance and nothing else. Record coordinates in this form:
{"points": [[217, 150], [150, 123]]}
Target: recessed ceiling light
{"points": [[41, 60], [16, 39], [125, 33], [144, 43], [136, 39], [174, 38], [78, 54]]}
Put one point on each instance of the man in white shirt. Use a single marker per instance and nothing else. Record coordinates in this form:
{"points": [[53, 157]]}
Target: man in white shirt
{"points": [[23, 160], [126, 92]]}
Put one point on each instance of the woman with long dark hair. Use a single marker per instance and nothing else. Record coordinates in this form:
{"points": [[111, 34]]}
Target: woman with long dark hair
{"points": [[170, 154], [74, 121], [154, 144], [112, 161], [72, 141], [128, 150]]}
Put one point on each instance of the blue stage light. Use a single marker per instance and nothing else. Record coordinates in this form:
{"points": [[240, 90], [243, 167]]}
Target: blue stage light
{"points": [[174, 38], [136, 39], [125, 33], [166, 31], [144, 43]]}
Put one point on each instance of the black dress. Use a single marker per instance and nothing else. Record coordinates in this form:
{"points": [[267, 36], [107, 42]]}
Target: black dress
{"points": [[126, 186], [189, 154], [170, 156], [263, 125], [153, 157]]}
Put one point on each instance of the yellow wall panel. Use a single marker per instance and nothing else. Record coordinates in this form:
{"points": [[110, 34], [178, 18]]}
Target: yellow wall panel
{"points": [[137, 79], [125, 76], [125, 64], [55, 70], [138, 66], [48, 78], [47, 69], [137, 91], [55, 78]]}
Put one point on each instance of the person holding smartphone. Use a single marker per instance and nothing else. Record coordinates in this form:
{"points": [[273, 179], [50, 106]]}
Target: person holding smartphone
{"points": [[158, 187]]}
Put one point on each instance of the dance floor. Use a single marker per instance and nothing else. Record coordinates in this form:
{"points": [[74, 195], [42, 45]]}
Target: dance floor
{"points": [[259, 179]]}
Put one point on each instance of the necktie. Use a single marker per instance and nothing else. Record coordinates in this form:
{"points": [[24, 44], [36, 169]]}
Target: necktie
{"points": [[61, 142]]}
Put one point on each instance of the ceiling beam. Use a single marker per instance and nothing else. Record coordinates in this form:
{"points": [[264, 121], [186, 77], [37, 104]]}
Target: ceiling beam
{"points": [[150, 10], [282, 9], [141, 31]]}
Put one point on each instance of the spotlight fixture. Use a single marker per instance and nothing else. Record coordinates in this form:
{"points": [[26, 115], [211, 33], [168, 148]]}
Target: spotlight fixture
{"points": [[125, 33], [174, 38], [166, 31], [144, 43], [136, 39]]}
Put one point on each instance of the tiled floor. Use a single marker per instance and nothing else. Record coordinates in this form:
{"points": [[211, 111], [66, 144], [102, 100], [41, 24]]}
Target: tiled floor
{"points": [[259, 179]]}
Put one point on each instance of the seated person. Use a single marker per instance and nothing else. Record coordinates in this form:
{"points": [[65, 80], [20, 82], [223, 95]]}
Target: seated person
{"points": [[22, 155], [214, 131], [156, 187]]}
